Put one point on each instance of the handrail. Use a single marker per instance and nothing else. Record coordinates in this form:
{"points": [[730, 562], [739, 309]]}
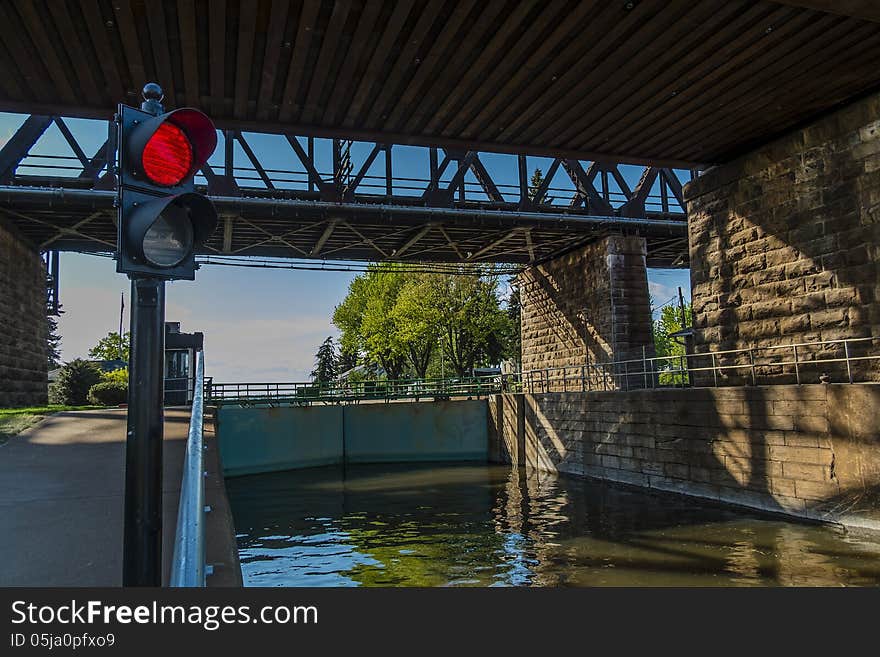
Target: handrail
{"points": [[645, 372], [188, 563], [596, 375], [343, 391]]}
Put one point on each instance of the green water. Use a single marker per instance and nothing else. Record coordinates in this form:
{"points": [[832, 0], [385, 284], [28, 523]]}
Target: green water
{"points": [[479, 525]]}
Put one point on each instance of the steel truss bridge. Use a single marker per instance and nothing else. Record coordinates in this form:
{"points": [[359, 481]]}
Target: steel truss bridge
{"points": [[363, 204]]}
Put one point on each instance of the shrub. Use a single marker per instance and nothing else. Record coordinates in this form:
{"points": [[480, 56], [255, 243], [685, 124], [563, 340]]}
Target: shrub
{"points": [[55, 394], [116, 376], [108, 393], [74, 382]]}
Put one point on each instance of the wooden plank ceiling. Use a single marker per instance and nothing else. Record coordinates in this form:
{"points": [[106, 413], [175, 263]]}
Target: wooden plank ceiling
{"points": [[667, 81]]}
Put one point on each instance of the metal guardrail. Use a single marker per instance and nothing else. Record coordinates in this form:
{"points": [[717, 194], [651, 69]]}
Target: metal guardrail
{"points": [[188, 563], [831, 361], [339, 392]]}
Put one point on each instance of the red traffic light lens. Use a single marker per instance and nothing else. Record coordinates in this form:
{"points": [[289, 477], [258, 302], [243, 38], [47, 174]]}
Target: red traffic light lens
{"points": [[168, 156]]}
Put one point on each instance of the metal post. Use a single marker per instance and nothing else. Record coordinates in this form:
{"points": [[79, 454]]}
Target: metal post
{"points": [[797, 369], [714, 371], [849, 373], [645, 366], [752, 360], [142, 541]]}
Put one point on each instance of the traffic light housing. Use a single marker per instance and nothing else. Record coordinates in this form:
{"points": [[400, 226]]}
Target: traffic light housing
{"points": [[161, 219]]}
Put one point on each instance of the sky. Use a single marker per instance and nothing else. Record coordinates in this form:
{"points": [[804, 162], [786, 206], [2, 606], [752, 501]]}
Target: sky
{"points": [[260, 325]]}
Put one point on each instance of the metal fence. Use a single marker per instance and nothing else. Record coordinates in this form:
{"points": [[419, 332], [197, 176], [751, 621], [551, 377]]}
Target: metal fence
{"points": [[273, 394], [830, 361], [826, 361], [188, 563]]}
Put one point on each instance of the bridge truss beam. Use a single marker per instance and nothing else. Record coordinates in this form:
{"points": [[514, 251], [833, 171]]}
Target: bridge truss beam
{"points": [[462, 211]]}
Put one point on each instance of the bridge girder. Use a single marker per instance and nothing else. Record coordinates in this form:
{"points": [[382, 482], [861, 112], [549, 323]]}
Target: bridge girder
{"points": [[458, 213], [672, 83]]}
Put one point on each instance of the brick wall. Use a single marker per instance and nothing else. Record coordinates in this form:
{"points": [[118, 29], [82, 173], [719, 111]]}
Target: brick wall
{"points": [[22, 323], [590, 305], [803, 450], [785, 241]]}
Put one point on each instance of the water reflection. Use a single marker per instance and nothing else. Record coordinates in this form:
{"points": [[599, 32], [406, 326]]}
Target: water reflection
{"points": [[482, 525]]}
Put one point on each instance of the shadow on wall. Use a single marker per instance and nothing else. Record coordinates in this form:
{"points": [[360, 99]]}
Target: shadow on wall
{"points": [[573, 337], [791, 449], [588, 307], [784, 243]]}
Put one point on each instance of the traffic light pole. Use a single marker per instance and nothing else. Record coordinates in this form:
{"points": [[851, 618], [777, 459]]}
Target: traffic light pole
{"points": [[161, 221], [142, 540], [142, 545]]}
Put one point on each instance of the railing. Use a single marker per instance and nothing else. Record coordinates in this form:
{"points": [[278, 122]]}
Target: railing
{"points": [[188, 564], [825, 361], [340, 391]]}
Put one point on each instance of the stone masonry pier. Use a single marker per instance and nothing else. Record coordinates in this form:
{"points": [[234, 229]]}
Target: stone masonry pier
{"points": [[23, 365], [785, 241], [588, 306], [811, 451]]}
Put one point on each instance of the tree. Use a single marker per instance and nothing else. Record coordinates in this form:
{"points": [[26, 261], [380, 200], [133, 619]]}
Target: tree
{"points": [[346, 360], [415, 315], [397, 318], [470, 319], [668, 348], [325, 362], [514, 316], [110, 347], [53, 339], [366, 321], [535, 186], [74, 381]]}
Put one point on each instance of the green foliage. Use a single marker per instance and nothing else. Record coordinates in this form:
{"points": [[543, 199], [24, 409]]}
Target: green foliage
{"points": [[74, 382], [325, 362], [535, 186], [116, 376], [665, 346], [53, 339], [41, 410], [345, 361], [109, 347], [514, 316], [108, 393], [54, 395], [471, 322], [399, 320]]}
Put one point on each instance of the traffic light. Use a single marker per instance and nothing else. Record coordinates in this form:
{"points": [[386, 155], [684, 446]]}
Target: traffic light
{"points": [[161, 219]]}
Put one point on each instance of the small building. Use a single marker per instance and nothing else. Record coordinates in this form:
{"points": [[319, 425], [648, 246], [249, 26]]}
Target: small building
{"points": [[180, 364]]}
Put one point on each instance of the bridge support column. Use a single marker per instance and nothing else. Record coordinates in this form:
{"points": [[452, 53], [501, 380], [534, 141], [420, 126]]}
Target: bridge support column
{"points": [[785, 246], [588, 307], [23, 327]]}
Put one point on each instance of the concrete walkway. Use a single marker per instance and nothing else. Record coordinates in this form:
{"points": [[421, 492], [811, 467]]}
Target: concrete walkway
{"points": [[61, 501]]}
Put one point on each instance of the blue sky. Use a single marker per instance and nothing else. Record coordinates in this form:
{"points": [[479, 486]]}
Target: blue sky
{"points": [[259, 324]]}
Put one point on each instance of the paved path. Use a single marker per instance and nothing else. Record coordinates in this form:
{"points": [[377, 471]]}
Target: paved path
{"points": [[61, 501]]}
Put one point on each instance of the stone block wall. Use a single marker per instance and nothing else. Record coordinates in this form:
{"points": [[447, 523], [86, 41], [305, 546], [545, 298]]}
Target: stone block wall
{"points": [[588, 306], [785, 242], [808, 450], [23, 368]]}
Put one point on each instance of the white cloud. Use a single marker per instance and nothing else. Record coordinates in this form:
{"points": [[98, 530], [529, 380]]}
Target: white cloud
{"points": [[236, 348], [262, 349], [661, 293]]}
